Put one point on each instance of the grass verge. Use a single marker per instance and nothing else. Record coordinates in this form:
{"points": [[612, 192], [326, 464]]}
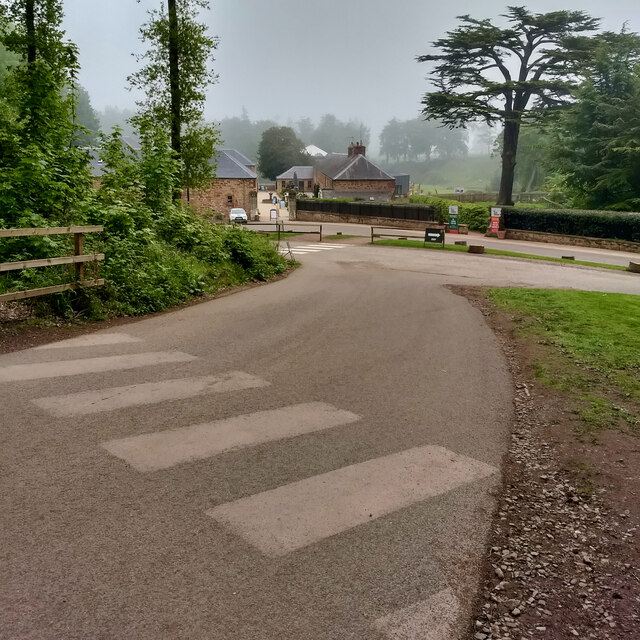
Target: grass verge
{"points": [[418, 244], [591, 350]]}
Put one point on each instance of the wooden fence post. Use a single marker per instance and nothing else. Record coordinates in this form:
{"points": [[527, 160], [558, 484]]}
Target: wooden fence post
{"points": [[79, 246]]}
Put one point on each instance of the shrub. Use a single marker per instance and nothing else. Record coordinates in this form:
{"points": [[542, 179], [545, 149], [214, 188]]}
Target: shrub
{"points": [[474, 214], [593, 224]]}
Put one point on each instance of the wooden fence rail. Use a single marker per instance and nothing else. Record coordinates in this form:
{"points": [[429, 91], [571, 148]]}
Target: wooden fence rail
{"points": [[79, 259]]}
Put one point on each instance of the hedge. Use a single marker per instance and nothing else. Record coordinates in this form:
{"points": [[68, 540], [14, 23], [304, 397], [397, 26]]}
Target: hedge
{"points": [[591, 224]]}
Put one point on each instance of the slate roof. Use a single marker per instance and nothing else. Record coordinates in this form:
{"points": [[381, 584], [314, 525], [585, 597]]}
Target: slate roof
{"points": [[304, 173], [339, 166], [239, 157], [231, 164], [229, 167]]}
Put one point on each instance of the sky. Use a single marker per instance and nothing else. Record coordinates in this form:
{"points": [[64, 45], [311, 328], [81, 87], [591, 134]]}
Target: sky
{"points": [[288, 59]]}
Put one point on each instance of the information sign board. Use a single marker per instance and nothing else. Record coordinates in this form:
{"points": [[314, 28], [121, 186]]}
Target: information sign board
{"points": [[453, 218]]}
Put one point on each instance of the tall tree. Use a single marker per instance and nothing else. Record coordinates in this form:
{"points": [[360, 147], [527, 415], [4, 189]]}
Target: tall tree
{"points": [[279, 150], [43, 178], [175, 92], [507, 75], [596, 146]]}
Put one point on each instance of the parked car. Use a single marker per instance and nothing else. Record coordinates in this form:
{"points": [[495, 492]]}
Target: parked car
{"points": [[239, 215]]}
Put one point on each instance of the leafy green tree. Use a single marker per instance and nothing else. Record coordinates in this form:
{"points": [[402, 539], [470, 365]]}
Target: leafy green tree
{"points": [[507, 75], [596, 146], [279, 150], [43, 178], [175, 92]]}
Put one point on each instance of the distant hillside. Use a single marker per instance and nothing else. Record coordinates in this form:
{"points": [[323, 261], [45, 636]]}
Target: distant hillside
{"points": [[474, 173]]}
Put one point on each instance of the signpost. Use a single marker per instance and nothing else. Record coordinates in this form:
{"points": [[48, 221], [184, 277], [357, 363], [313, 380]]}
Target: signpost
{"points": [[494, 227], [434, 235], [453, 218]]}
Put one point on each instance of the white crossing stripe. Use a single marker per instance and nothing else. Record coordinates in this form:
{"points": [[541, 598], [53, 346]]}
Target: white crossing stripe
{"points": [[165, 449], [18, 372], [316, 247], [87, 402], [93, 340], [298, 514], [433, 619]]}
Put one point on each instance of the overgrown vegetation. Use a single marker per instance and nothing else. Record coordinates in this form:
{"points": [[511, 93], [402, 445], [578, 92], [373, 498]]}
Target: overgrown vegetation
{"points": [[593, 350], [157, 251]]}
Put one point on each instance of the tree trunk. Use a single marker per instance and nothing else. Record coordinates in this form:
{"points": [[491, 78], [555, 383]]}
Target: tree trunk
{"points": [[174, 85], [174, 78], [509, 151], [30, 25]]}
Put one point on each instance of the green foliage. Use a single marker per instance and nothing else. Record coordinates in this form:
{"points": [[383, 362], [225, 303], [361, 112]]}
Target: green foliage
{"points": [[174, 78], [485, 72], [593, 224], [43, 179], [596, 146], [474, 214], [279, 150]]}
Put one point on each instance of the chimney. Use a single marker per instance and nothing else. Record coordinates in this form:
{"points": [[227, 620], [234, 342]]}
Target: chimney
{"points": [[356, 149]]}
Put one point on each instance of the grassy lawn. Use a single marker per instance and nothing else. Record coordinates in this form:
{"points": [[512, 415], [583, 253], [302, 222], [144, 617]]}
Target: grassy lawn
{"points": [[418, 244], [342, 236], [592, 350]]}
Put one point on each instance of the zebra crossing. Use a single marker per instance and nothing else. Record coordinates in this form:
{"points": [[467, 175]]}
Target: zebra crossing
{"points": [[311, 248], [279, 521]]}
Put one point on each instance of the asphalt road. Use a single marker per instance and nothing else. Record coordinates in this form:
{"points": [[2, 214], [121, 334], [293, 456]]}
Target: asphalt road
{"points": [[312, 459], [586, 254]]}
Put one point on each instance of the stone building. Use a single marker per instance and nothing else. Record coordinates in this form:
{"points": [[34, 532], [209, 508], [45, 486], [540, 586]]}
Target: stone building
{"points": [[235, 185], [339, 175]]}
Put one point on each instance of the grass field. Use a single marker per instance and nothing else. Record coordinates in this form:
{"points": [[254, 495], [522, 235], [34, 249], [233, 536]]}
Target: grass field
{"points": [[418, 244], [593, 354]]}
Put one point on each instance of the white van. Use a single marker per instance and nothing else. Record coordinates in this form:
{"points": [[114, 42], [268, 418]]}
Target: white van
{"points": [[239, 215]]}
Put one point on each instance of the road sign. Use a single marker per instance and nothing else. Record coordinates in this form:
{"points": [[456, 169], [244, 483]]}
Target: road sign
{"points": [[434, 235], [273, 214]]}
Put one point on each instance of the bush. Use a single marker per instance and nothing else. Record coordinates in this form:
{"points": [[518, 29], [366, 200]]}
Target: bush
{"points": [[592, 224], [474, 214]]}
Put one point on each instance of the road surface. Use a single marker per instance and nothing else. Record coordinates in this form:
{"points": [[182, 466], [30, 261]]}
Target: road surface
{"points": [[312, 459]]}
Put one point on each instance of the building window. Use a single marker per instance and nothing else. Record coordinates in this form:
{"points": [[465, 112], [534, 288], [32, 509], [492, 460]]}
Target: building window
{"points": [[229, 200]]}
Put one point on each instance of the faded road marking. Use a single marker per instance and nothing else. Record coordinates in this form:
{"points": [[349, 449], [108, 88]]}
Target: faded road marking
{"points": [[301, 513], [164, 449], [433, 619], [93, 340], [87, 402], [18, 372]]}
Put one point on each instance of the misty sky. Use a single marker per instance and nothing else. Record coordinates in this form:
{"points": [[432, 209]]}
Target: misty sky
{"points": [[286, 59]]}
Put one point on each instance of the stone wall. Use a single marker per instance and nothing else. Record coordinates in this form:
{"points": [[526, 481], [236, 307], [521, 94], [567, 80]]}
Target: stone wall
{"points": [[577, 241], [241, 192]]}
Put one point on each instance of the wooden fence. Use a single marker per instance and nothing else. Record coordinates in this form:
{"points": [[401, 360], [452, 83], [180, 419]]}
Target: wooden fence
{"points": [[79, 259]]}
